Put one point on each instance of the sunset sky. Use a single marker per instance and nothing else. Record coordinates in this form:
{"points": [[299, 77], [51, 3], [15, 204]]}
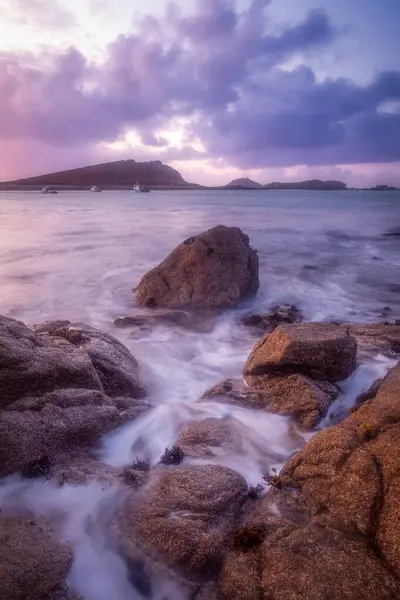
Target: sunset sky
{"points": [[277, 90]]}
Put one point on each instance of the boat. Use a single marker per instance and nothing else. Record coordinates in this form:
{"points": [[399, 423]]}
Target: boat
{"points": [[49, 190], [95, 189], [140, 189]]}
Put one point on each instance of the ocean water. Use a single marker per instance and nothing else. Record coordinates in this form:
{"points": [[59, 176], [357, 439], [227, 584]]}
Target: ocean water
{"points": [[77, 256]]}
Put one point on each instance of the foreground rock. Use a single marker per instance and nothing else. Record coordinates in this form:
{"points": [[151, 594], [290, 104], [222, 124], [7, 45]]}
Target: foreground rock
{"points": [[329, 527], [33, 564], [62, 388], [320, 350], [295, 395], [183, 518], [217, 269]]}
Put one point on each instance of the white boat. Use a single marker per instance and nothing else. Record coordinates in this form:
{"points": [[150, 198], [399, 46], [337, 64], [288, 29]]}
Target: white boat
{"points": [[95, 189], [140, 189], [48, 190]]}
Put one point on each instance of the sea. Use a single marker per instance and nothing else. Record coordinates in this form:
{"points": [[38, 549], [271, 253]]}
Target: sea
{"points": [[78, 255]]}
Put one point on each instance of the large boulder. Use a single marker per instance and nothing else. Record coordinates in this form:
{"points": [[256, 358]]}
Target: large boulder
{"points": [[320, 350], [217, 268], [351, 471], [53, 382], [33, 564], [297, 396], [183, 517]]}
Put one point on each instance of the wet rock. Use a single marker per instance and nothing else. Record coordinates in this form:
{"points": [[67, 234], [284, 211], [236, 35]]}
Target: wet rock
{"points": [[375, 338], [295, 395], [286, 313], [370, 394], [52, 395], [236, 391], [191, 276], [183, 517], [211, 437], [292, 567], [208, 591], [154, 317], [351, 471], [31, 364], [117, 369], [319, 350], [33, 564], [298, 396]]}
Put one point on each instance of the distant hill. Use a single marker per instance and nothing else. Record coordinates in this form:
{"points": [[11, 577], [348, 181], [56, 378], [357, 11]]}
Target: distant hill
{"points": [[119, 173], [244, 183], [312, 184]]}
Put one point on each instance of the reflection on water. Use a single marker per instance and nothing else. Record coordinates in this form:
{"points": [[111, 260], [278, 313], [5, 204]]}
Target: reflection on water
{"points": [[77, 257]]}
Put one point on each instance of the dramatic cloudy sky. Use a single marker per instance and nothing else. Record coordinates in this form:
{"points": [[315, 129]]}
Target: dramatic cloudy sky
{"points": [[276, 89]]}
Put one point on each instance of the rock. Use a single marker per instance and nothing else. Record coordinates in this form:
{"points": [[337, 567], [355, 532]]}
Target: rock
{"points": [[351, 471], [208, 591], [370, 394], [117, 369], [287, 313], [298, 396], [31, 365], [211, 437], [33, 565], [154, 317], [202, 321], [319, 563], [375, 338], [53, 399], [217, 269], [235, 391], [183, 517], [319, 350]]}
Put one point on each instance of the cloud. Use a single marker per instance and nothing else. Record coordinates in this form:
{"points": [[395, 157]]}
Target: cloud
{"points": [[48, 13], [224, 71]]}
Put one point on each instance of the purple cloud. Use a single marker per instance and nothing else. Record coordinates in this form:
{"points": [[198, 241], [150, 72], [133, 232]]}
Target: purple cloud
{"points": [[221, 67]]}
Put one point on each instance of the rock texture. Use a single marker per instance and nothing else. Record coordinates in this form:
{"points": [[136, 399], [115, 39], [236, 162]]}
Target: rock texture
{"points": [[329, 526], [375, 338], [211, 437], [295, 395], [33, 564], [321, 350], [183, 518], [62, 387], [217, 269]]}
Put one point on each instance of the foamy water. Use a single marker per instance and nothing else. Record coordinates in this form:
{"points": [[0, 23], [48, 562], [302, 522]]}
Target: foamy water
{"points": [[77, 255]]}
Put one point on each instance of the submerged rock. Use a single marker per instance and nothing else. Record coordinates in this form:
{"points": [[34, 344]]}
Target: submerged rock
{"points": [[53, 399], [183, 517], [33, 564], [320, 350], [217, 268], [278, 315], [211, 437]]}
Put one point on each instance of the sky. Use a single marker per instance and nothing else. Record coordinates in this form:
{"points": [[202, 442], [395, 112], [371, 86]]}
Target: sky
{"points": [[278, 90]]}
